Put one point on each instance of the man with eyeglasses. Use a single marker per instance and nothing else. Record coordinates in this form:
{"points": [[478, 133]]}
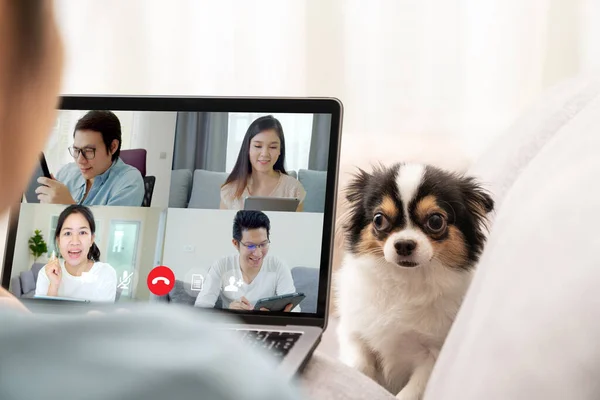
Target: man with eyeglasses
{"points": [[98, 176], [243, 278]]}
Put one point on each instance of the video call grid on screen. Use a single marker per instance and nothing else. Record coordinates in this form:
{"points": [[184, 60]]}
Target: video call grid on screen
{"points": [[172, 211]]}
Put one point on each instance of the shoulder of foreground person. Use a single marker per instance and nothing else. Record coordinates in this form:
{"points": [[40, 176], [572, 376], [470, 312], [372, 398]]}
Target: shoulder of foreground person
{"points": [[150, 352]]}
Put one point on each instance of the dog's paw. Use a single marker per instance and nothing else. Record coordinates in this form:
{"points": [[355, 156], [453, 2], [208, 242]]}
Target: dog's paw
{"points": [[405, 394], [360, 362], [356, 355]]}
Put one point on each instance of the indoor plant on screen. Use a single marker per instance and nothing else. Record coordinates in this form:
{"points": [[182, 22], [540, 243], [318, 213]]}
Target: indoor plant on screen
{"points": [[37, 245]]}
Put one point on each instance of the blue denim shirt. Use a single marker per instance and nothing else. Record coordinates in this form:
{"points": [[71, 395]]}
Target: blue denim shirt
{"points": [[119, 185]]}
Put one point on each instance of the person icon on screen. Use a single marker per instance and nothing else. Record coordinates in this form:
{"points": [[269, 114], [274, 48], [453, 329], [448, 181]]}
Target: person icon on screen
{"points": [[231, 287]]}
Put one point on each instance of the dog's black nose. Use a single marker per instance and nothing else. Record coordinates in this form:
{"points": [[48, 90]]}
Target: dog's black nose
{"points": [[405, 247]]}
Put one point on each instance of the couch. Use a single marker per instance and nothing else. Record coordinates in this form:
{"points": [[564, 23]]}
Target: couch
{"points": [[306, 280], [23, 285], [529, 325], [202, 188]]}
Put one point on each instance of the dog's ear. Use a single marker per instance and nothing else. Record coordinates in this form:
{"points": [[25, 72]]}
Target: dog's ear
{"points": [[478, 200], [486, 199], [353, 194], [356, 187]]}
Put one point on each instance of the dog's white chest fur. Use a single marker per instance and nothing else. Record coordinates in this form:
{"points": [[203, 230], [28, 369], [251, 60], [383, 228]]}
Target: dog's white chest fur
{"points": [[393, 320]]}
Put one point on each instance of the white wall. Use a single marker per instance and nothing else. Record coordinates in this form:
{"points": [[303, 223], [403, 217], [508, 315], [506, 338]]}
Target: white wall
{"points": [[38, 216], [196, 238], [146, 251], [460, 71], [155, 132]]}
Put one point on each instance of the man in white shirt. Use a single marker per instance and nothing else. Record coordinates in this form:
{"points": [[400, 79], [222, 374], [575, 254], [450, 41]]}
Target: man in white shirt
{"points": [[240, 280]]}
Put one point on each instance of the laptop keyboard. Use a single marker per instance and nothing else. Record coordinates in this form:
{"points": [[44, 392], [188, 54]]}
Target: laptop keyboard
{"points": [[276, 343]]}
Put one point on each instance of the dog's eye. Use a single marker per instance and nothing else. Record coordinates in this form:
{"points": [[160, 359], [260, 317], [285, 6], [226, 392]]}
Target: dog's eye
{"points": [[380, 221], [436, 223]]}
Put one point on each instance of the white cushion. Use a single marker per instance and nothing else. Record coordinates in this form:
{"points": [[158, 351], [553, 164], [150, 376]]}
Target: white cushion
{"points": [[511, 152], [530, 324]]}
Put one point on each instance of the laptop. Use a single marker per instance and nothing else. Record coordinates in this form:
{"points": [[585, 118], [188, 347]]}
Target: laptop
{"points": [[193, 146], [266, 203]]}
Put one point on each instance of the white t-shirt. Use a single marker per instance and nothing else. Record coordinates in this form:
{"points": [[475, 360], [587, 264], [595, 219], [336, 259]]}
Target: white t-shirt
{"points": [[225, 279], [98, 284]]}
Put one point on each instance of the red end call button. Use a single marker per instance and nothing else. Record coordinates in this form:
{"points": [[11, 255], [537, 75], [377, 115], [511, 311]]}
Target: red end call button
{"points": [[161, 280]]}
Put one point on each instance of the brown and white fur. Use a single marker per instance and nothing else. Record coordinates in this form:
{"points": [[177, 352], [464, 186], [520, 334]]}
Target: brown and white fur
{"points": [[413, 234]]}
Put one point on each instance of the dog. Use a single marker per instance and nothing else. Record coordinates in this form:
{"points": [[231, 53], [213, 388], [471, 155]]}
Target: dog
{"points": [[413, 234]]}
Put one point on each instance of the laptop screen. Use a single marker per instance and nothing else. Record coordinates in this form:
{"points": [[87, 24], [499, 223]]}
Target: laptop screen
{"points": [[214, 208]]}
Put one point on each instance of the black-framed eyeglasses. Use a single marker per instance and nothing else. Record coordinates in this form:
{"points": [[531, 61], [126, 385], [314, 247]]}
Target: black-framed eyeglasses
{"points": [[88, 152], [252, 246]]}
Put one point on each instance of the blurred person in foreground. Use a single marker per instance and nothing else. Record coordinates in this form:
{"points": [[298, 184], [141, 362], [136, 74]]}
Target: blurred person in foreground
{"points": [[177, 354]]}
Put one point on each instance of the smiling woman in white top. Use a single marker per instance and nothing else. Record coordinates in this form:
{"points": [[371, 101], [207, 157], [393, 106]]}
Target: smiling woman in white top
{"points": [[78, 274], [259, 169], [240, 280]]}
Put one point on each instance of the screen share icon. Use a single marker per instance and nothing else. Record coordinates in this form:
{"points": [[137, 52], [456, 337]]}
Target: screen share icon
{"points": [[197, 282]]}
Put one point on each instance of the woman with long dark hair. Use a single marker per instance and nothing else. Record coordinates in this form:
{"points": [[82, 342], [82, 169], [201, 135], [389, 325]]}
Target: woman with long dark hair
{"points": [[259, 169], [77, 273]]}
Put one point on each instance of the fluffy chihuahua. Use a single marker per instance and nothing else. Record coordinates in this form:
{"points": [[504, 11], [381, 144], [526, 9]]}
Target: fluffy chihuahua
{"points": [[413, 234]]}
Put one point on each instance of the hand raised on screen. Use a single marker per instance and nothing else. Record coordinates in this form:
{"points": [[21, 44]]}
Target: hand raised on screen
{"points": [[53, 271]]}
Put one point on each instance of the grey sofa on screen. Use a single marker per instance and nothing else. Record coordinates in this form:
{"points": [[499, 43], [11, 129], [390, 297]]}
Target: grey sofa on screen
{"points": [[201, 188], [306, 280], [23, 285]]}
